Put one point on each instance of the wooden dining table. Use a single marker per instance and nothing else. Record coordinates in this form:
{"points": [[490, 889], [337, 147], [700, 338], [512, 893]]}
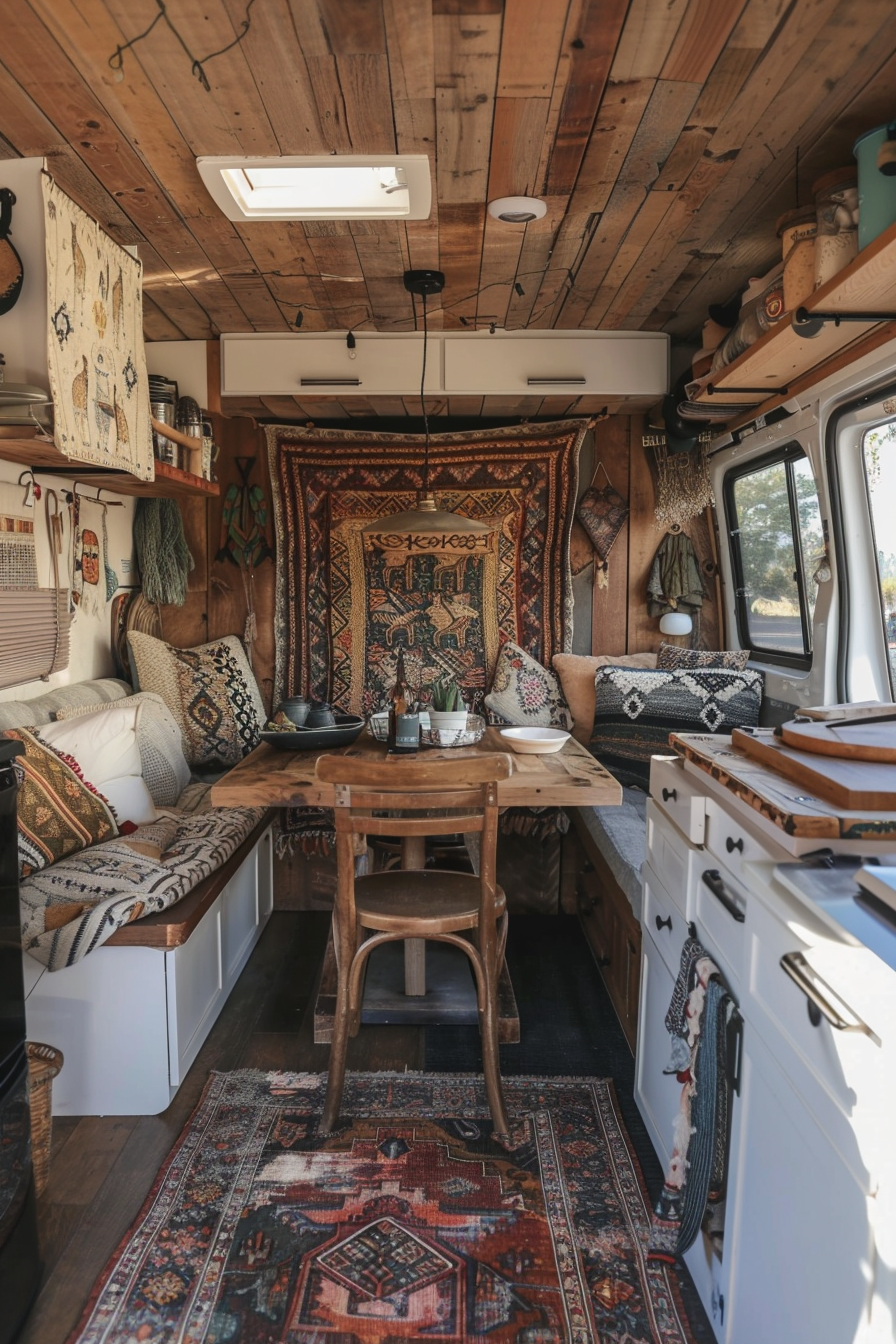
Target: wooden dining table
{"points": [[273, 777]]}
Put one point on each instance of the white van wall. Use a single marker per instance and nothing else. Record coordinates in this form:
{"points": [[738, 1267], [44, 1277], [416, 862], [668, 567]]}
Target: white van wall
{"points": [[808, 426], [91, 634]]}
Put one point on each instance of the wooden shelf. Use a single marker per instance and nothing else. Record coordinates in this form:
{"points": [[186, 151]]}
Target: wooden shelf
{"points": [[783, 360], [169, 483]]}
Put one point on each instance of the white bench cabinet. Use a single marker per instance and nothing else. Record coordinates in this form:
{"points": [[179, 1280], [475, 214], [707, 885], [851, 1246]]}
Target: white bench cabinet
{"points": [[130, 1020]]}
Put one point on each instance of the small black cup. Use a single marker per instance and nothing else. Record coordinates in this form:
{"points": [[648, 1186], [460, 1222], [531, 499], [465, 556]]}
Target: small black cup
{"points": [[296, 709], [320, 715]]}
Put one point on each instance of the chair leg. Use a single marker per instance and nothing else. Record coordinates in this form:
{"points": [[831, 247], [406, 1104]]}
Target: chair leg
{"points": [[491, 1066], [339, 1044]]}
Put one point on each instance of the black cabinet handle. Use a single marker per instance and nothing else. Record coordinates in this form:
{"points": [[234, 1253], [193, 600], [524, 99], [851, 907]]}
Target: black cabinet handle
{"points": [[732, 845], [713, 879], [663, 923], [669, 795]]}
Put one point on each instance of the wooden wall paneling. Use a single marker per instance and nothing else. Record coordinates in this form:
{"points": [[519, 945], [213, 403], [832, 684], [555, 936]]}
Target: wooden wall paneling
{"points": [[460, 231], [789, 94], [659, 128], [645, 41], [466, 407], [383, 256], [594, 26], [644, 538], [157, 326], [530, 48], [704, 30], [609, 623], [466, 70]]}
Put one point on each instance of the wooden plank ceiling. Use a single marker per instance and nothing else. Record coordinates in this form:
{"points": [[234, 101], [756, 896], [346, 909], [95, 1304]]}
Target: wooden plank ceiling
{"points": [[665, 136]]}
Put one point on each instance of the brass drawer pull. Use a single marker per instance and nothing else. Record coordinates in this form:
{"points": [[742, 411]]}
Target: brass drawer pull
{"points": [[817, 991]]}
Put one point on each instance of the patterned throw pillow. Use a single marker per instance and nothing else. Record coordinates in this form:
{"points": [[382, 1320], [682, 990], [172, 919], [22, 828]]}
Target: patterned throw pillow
{"points": [[636, 710], [576, 672], [59, 813], [165, 770], [672, 656], [526, 694], [211, 691]]}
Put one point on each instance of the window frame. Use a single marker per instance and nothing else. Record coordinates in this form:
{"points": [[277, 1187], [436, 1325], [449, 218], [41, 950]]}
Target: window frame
{"points": [[785, 454], [847, 417]]}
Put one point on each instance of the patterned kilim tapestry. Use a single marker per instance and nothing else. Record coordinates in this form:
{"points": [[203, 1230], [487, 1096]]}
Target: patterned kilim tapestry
{"points": [[410, 1222], [95, 352], [346, 602]]}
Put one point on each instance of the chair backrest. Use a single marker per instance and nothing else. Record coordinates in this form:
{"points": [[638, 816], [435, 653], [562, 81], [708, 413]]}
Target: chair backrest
{"points": [[420, 798]]}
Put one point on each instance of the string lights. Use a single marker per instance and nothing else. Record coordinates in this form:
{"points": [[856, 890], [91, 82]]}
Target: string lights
{"points": [[116, 60]]}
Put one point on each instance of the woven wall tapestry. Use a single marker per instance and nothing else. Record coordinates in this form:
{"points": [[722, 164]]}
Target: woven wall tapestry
{"points": [[344, 605], [95, 354]]}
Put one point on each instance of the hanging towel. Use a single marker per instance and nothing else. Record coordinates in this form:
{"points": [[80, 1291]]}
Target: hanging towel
{"points": [[700, 1018]]}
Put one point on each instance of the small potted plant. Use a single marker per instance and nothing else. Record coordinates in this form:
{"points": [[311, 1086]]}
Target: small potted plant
{"points": [[447, 710]]}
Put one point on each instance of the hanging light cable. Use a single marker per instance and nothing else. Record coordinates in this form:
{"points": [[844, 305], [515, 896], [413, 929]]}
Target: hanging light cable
{"points": [[426, 519]]}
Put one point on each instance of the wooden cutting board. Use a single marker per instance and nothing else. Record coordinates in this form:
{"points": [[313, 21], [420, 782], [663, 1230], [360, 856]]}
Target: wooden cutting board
{"points": [[857, 742], [852, 784]]}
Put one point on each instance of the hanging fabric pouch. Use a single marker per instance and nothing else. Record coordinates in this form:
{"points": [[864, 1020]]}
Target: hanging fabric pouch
{"points": [[602, 512], [11, 271]]}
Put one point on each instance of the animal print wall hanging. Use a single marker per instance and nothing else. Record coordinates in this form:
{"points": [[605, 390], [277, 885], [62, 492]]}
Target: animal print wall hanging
{"points": [[95, 352]]}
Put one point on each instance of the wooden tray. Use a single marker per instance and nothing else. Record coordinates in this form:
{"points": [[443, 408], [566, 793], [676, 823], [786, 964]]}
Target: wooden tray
{"points": [[854, 785], [858, 742]]}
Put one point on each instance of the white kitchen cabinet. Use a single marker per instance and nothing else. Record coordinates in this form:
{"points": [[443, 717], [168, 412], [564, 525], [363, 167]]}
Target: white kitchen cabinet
{"points": [[592, 363], [799, 1225], [525, 363], [810, 1228]]}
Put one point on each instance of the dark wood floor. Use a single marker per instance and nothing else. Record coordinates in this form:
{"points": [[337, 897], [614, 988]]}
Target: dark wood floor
{"points": [[102, 1168]]}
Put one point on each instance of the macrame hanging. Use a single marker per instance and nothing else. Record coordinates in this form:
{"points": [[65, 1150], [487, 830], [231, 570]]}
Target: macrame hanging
{"points": [[244, 540], [162, 552], [602, 513], [683, 489]]}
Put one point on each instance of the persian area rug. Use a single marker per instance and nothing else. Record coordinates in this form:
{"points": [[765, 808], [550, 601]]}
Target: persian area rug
{"points": [[410, 1222], [346, 602]]}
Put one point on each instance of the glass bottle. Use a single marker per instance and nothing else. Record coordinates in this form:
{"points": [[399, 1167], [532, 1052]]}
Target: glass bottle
{"points": [[404, 722]]}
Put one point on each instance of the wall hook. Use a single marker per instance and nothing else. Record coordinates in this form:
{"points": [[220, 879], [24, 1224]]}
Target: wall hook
{"points": [[32, 489]]}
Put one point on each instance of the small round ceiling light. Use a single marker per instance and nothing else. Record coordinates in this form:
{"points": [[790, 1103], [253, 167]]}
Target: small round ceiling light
{"points": [[517, 209]]}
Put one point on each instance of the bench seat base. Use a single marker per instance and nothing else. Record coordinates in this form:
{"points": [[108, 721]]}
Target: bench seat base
{"points": [[129, 1018]]}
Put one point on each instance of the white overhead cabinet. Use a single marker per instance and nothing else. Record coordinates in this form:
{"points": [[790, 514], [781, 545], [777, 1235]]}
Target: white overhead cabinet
{"points": [[527, 363], [280, 364]]}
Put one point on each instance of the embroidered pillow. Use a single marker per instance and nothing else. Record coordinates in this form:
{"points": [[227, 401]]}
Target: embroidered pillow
{"points": [[59, 813], [165, 770], [636, 709], [211, 692], [672, 656], [576, 672], [525, 693]]}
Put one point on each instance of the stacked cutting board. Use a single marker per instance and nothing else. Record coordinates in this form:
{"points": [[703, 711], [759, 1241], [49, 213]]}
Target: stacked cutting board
{"points": [[843, 753]]}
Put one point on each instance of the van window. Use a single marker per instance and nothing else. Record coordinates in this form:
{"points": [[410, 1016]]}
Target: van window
{"points": [[879, 457], [774, 525]]}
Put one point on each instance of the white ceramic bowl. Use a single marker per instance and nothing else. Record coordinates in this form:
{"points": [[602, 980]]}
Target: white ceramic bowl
{"points": [[538, 741]]}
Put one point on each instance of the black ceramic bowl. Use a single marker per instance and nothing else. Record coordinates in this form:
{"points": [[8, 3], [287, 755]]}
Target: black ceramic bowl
{"points": [[342, 734]]}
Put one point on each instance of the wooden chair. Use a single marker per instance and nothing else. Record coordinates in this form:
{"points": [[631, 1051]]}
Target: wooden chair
{"points": [[459, 908]]}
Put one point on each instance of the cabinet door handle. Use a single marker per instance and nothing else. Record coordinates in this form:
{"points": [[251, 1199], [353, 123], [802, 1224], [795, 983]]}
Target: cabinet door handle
{"points": [[732, 845], [663, 923], [819, 993], [669, 795], [713, 879]]}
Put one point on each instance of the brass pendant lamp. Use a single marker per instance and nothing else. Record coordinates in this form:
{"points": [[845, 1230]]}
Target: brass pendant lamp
{"points": [[426, 520]]}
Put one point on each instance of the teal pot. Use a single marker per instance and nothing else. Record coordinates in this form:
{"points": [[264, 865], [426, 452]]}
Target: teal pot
{"points": [[877, 190]]}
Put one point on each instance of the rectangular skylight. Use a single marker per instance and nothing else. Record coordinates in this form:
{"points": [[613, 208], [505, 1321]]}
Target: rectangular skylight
{"points": [[358, 186]]}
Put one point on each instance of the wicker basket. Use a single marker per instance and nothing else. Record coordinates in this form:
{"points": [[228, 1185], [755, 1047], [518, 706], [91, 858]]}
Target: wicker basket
{"points": [[44, 1062]]}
